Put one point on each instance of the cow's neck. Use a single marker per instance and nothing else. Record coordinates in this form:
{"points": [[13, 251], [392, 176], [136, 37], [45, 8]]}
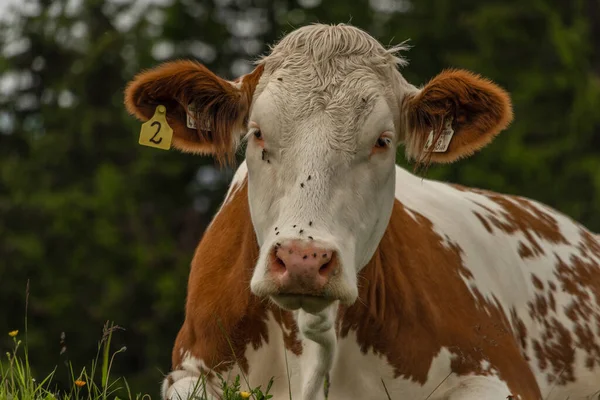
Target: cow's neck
{"points": [[391, 298]]}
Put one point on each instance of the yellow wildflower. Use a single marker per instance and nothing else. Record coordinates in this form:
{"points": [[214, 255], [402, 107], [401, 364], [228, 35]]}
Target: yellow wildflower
{"points": [[79, 383], [245, 395], [13, 333]]}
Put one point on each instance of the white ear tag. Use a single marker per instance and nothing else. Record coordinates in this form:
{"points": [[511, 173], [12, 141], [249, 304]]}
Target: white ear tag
{"points": [[191, 118], [443, 141]]}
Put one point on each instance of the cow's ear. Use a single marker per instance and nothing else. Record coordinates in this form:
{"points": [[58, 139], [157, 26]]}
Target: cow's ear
{"points": [[208, 114], [453, 116]]}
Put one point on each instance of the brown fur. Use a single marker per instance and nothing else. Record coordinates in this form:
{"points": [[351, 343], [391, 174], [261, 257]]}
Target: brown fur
{"points": [[479, 109], [220, 105], [519, 215]]}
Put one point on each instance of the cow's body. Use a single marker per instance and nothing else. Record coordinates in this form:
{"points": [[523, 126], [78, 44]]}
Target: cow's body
{"points": [[328, 260], [464, 282]]}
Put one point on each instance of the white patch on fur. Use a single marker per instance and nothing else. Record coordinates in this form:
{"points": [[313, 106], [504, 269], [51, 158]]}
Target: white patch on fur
{"points": [[188, 381]]}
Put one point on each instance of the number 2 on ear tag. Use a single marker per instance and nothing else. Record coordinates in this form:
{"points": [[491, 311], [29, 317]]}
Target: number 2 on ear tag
{"points": [[156, 132]]}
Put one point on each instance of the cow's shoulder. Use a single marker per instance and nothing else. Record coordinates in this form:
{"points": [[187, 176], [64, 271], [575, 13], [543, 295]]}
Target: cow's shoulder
{"points": [[416, 303]]}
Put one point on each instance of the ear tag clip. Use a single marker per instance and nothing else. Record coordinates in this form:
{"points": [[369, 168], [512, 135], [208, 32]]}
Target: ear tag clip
{"points": [[156, 132], [443, 141]]}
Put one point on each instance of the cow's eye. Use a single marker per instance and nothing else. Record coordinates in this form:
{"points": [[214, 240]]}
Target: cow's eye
{"points": [[383, 142], [258, 134]]}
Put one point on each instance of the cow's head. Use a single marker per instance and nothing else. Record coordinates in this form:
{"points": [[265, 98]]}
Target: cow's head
{"points": [[322, 116]]}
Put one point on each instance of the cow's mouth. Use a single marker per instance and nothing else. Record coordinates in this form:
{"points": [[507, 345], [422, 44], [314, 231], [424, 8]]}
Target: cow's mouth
{"points": [[309, 303]]}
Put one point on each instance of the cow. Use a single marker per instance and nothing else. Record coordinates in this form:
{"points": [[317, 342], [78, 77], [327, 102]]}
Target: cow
{"points": [[328, 265]]}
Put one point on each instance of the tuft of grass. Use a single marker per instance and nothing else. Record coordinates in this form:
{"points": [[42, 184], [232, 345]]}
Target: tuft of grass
{"points": [[17, 380]]}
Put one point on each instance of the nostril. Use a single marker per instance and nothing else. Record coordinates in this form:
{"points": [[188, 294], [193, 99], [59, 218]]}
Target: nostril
{"points": [[326, 268], [278, 265]]}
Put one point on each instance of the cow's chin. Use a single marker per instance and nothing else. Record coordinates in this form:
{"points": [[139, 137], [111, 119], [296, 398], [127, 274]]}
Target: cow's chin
{"points": [[308, 303]]}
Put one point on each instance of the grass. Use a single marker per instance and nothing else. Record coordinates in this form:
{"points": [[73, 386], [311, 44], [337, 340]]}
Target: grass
{"points": [[17, 381], [94, 382]]}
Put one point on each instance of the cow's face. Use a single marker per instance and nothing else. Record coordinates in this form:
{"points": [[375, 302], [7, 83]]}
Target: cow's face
{"points": [[322, 116]]}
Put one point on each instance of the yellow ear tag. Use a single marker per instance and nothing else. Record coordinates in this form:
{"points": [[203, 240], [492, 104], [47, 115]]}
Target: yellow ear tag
{"points": [[156, 132]]}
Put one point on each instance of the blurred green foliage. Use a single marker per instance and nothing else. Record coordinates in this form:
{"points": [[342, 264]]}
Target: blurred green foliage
{"points": [[105, 229]]}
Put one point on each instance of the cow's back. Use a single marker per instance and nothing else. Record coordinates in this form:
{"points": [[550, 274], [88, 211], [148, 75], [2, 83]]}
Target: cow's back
{"points": [[535, 267]]}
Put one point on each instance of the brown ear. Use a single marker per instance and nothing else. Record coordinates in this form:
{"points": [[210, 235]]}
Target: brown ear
{"points": [[222, 106], [476, 108]]}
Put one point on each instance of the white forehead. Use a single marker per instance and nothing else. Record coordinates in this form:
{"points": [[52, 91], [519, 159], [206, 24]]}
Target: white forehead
{"points": [[334, 69], [326, 76], [344, 124]]}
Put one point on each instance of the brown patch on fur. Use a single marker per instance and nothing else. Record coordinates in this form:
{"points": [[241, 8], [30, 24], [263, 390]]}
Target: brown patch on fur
{"points": [[416, 303], [589, 244], [218, 320], [524, 251], [555, 352], [555, 349], [485, 224], [479, 109], [520, 215], [220, 106], [580, 278], [537, 283], [520, 330]]}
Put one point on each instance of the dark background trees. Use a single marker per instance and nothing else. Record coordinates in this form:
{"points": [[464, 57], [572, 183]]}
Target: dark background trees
{"points": [[105, 229]]}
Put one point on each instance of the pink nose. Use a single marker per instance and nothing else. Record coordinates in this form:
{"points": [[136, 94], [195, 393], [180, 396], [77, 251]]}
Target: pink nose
{"points": [[301, 267]]}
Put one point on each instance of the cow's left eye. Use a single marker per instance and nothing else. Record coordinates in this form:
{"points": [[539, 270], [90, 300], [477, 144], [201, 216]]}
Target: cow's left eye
{"points": [[383, 142]]}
